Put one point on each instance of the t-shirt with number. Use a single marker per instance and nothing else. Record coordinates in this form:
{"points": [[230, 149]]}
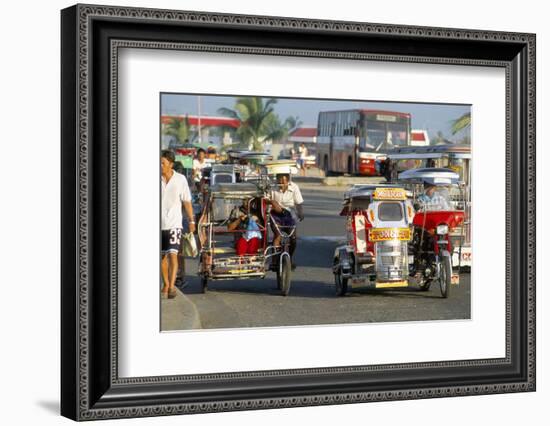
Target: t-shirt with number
{"points": [[173, 194]]}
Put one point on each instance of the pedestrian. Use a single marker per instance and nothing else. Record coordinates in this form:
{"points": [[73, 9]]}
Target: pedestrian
{"points": [[175, 199], [287, 208], [211, 153], [199, 164], [302, 152]]}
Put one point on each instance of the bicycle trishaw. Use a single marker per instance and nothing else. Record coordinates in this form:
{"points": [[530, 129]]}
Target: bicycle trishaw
{"points": [[219, 257]]}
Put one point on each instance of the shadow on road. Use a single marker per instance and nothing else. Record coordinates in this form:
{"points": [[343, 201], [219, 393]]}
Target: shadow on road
{"points": [[315, 254], [267, 286], [409, 292], [303, 289]]}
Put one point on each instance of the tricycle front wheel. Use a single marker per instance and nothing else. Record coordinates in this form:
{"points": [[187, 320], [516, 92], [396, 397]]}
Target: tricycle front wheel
{"points": [[283, 275], [445, 275]]}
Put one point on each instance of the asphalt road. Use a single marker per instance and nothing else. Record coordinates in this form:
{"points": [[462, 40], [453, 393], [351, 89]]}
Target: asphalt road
{"points": [[312, 299]]}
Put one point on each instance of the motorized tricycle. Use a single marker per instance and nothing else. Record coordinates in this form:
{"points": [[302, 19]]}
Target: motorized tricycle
{"points": [[438, 226], [394, 238]]}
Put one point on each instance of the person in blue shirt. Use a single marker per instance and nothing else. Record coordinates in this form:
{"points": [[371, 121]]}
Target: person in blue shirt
{"points": [[432, 199]]}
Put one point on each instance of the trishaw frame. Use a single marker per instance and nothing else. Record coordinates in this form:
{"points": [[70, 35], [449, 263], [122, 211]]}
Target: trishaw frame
{"points": [[278, 255]]}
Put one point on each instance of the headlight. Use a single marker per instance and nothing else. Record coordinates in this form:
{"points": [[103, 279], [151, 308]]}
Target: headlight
{"points": [[442, 229]]}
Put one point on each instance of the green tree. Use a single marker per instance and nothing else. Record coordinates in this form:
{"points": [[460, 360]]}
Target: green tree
{"points": [[461, 123], [179, 128], [277, 130], [257, 120], [293, 122]]}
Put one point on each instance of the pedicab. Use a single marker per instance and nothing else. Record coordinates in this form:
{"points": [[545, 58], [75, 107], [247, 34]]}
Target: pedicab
{"points": [[224, 253], [392, 240]]}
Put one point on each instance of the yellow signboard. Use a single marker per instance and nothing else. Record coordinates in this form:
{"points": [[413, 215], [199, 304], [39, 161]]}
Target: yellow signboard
{"points": [[392, 284], [389, 194], [241, 271], [387, 234]]}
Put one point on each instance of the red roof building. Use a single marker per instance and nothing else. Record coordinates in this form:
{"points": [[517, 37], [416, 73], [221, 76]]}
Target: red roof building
{"points": [[205, 121], [419, 138], [303, 135]]}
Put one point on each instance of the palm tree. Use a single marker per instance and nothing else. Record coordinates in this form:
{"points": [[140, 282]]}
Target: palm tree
{"points": [[277, 130], [256, 117], [293, 122], [461, 123], [179, 128]]}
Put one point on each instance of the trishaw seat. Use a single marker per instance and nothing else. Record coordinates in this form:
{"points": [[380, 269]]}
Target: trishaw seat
{"points": [[224, 250]]}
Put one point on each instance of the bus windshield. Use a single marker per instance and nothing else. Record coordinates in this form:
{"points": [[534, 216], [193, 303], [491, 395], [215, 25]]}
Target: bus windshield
{"points": [[379, 132]]}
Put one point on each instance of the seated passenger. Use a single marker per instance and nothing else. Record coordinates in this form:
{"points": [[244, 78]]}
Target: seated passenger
{"points": [[250, 239]]}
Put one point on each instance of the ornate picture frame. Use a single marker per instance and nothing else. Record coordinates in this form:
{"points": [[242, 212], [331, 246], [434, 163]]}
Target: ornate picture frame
{"points": [[91, 387]]}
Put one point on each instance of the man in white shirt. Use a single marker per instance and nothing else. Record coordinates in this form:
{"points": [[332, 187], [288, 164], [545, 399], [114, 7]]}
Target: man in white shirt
{"points": [[175, 198], [302, 151], [199, 164], [287, 207]]}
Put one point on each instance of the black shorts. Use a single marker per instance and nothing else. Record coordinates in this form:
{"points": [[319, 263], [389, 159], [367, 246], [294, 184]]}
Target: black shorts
{"points": [[171, 240]]}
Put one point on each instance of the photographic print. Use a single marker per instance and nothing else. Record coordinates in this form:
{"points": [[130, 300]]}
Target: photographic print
{"points": [[295, 211], [296, 186]]}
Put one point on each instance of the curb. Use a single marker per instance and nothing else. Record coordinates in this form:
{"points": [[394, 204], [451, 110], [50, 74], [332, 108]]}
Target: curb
{"points": [[351, 180], [339, 180], [179, 314], [308, 179]]}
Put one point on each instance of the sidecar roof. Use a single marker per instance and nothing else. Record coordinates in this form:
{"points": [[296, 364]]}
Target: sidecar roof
{"points": [[431, 175]]}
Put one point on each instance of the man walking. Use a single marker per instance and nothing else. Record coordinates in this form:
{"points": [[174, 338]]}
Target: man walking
{"points": [[175, 198], [302, 151]]}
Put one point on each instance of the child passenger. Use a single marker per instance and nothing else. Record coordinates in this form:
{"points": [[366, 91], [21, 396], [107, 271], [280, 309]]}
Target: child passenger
{"points": [[249, 242]]}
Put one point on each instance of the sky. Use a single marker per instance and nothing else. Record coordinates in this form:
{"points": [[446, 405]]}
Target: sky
{"points": [[430, 117]]}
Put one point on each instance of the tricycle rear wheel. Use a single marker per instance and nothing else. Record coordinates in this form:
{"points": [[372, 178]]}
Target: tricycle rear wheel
{"points": [[341, 283]]}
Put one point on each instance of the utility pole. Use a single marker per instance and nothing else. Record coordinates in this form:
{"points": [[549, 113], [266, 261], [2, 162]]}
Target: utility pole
{"points": [[199, 120]]}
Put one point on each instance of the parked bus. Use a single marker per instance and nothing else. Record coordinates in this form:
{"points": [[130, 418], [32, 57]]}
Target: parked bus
{"points": [[350, 141]]}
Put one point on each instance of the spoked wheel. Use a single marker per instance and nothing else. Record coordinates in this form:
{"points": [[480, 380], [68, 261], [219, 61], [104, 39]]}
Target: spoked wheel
{"points": [[445, 275], [283, 275], [204, 283], [279, 280], [341, 283], [275, 268]]}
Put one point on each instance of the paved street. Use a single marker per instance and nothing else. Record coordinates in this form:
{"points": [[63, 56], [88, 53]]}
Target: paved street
{"points": [[312, 299]]}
